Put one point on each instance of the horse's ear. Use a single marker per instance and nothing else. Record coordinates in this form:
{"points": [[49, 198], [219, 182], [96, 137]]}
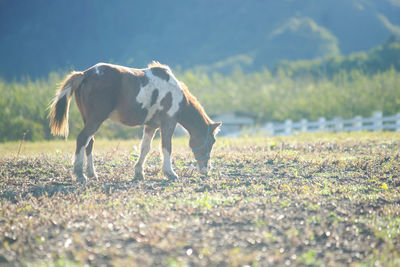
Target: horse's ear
{"points": [[215, 127]]}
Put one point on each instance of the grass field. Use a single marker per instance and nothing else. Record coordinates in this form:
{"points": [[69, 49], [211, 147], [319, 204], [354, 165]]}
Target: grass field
{"points": [[322, 199]]}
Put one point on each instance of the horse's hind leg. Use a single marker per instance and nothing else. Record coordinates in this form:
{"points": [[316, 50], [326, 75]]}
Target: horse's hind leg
{"points": [[90, 171], [84, 139]]}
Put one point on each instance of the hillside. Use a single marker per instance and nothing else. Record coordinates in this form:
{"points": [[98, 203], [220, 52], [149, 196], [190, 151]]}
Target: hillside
{"points": [[37, 37], [376, 60]]}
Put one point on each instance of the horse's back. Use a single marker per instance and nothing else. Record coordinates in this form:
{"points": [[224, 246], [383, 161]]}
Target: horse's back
{"points": [[129, 96], [121, 85], [103, 89]]}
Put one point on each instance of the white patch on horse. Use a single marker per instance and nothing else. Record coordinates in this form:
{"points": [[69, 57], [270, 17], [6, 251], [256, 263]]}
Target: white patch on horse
{"points": [[78, 164], [98, 68], [90, 165], [167, 166], [164, 87]]}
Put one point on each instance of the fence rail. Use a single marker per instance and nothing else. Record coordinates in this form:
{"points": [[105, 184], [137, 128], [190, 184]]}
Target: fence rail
{"points": [[377, 122]]}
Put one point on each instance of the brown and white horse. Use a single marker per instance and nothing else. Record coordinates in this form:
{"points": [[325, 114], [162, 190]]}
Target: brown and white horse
{"points": [[152, 97]]}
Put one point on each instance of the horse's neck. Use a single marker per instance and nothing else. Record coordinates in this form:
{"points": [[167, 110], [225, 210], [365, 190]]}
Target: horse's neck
{"points": [[192, 119]]}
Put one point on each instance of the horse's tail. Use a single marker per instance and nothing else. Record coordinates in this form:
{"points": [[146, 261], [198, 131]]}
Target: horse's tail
{"points": [[59, 107]]}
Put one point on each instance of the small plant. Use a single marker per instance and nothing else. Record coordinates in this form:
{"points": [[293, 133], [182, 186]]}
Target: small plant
{"points": [[309, 258]]}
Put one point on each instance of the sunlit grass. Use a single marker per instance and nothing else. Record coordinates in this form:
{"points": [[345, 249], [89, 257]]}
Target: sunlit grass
{"points": [[313, 199]]}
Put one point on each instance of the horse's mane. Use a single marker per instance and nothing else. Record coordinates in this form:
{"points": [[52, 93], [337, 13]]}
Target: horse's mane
{"points": [[192, 100], [156, 64]]}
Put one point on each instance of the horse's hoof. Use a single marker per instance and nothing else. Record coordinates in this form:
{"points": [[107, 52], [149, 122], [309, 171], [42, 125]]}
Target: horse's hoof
{"points": [[138, 177], [172, 176], [93, 176], [81, 179]]}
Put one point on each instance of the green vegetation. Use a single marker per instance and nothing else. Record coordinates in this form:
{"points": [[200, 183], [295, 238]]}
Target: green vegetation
{"points": [[280, 96], [356, 85], [320, 199], [379, 59]]}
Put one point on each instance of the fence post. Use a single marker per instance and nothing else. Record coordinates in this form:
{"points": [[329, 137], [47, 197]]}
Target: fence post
{"points": [[378, 120], [288, 127], [303, 127], [357, 124], [322, 124], [338, 124], [397, 121]]}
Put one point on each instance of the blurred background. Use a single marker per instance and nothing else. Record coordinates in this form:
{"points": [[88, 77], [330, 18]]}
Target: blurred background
{"points": [[272, 59]]}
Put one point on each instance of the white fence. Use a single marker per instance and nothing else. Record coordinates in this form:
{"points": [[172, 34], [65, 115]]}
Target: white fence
{"points": [[375, 123]]}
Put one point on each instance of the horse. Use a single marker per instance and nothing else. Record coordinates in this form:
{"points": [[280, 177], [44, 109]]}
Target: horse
{"points": [[151, 97]]}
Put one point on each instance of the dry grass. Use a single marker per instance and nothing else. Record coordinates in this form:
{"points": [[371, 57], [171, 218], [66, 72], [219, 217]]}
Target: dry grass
{"points": [[306, 200]]}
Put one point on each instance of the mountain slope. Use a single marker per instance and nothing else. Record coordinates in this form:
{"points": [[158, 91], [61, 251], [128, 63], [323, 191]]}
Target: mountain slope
{"points": [[40, 36]]}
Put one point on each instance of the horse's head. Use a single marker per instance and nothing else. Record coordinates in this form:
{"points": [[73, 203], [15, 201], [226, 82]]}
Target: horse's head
{"points": [[202, 145]]}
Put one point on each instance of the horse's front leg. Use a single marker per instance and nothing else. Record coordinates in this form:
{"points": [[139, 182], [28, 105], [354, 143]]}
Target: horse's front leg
{"points": [[167, 130], [148, 134]]}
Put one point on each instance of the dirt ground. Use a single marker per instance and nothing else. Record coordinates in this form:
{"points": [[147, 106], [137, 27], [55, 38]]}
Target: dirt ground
{"points": [[305, 200]]}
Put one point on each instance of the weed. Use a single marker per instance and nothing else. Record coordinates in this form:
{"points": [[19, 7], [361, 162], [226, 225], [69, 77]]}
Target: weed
{"points": [[309, 258]]}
